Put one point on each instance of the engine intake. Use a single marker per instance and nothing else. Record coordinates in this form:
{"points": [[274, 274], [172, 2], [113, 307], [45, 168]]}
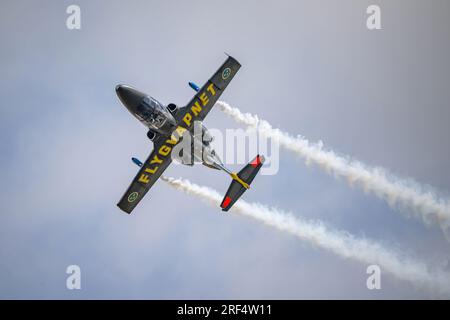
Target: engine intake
{"points": [[172, 107], [151, 135]]}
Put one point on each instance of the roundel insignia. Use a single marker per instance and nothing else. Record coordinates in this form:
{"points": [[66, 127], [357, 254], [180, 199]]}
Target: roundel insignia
{"points": [[226, 73], [133, 196]]}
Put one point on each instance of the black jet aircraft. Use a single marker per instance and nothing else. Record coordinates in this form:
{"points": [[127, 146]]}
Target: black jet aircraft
{"points": [[169, 125]]}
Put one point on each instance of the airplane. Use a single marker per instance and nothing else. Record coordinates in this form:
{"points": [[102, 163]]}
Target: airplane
{"points": [[170, 125]]}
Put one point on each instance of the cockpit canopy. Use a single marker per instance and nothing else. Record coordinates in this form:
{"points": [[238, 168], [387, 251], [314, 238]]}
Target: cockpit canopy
{"points": [[152, 112]]}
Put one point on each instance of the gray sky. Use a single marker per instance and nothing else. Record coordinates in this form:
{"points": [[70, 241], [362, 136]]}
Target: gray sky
{"points": [[309, 67]]}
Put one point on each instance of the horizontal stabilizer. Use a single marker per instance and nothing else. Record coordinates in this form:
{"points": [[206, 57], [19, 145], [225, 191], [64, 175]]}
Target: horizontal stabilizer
{"points": [[241, 182]]}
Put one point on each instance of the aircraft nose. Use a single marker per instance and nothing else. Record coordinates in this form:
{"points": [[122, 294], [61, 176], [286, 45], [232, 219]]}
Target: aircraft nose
{"points": [[130, 97]]}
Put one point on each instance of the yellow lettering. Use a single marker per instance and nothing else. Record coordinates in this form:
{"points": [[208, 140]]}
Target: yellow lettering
{"points": [[152, 171], [171, 141], [204, 99], [144, 178], [196, 108], [156, 159], [164, 150], [177, 134], [180, 130], [187, 119], [211, 89]]}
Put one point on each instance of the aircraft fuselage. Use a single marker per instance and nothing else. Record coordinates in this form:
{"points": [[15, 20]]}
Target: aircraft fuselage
{"points": [[156, 117]]}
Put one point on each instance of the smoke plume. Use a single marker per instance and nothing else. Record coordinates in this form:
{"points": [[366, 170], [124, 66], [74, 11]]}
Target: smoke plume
{"points": [[404, 195], [340, 243]]}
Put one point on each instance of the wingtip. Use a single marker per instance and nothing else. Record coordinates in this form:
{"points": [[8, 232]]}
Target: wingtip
{"points": [[123, 210], [259, 160]]}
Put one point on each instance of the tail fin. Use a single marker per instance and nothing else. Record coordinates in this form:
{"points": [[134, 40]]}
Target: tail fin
{"points": [[241, 182]]}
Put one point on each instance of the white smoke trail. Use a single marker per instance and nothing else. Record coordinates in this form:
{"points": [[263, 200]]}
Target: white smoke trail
{"points": [[338, 242], [399, 193]]}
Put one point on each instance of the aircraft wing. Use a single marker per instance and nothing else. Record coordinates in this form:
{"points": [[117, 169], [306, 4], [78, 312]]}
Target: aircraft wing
{"points": [[151, 170], [207, 96], [196, 110]]}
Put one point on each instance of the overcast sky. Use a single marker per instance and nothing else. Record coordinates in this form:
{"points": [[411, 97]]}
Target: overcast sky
{"points": [[309, 67]]}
